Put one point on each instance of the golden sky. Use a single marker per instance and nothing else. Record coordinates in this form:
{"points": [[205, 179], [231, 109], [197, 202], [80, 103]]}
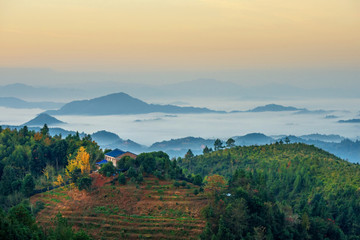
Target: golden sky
{"points": [[117, 35]]}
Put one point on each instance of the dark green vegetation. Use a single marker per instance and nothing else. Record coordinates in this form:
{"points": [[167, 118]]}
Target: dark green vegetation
{"points": [[32, 160], [19, 223], [277, 191], [281, 191], [153, 163]]}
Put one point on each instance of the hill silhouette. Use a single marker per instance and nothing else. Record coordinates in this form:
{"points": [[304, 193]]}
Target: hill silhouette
{"points": [[42, 119], [120, 103]]}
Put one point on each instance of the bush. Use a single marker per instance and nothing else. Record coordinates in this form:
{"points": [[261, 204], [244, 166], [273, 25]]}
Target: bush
{"points": [[125, 162], [84, 183], [38, 207], [107, 169], [131, 173], [198, 180], [122, 179], [139, 178], [158, 174]]}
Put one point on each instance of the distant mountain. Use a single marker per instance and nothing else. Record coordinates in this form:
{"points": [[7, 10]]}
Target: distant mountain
{"points": [[273, 108], [322, 137], [111, 140], [355, 120], [320, 111], [335, 144], [104, 137], [24, 91], [253, 139], [183, 143], [42, 119], [120, 103], [11, 102], [331, 117]]}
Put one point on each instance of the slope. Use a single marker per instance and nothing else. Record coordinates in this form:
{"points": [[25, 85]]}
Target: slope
{"points": [[155, 209]]}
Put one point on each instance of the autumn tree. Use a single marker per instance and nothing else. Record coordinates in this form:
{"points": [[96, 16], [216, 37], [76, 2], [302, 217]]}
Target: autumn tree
{"points": [[214, 184], [59, 180], [81, 161], [78, 169]]}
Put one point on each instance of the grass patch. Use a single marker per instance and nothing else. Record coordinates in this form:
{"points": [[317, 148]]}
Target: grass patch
{"points": [[107, 210], [55, 200], [53, 193], [174, 213]]}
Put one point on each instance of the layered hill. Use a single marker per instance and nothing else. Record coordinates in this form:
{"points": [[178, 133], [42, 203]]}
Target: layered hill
{"points": [[120, 103], [111, 140], [12, 102], [274, 108], [154, 209], [288, 191], [42, 119]]}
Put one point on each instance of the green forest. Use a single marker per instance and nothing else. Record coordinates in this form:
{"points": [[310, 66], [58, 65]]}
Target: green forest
{"points": [[280, 191], [277, 191]]}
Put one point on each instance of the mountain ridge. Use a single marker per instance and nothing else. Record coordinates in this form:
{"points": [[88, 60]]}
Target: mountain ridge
{"points": [[121, 103]]}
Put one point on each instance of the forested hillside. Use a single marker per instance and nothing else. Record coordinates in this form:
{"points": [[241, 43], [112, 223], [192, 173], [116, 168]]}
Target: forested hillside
{"points": [[281, 191], [277, 191], [33, 160]]}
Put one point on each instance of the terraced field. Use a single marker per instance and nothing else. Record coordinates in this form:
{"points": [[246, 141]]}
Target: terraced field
{"points": [[154, 210]]}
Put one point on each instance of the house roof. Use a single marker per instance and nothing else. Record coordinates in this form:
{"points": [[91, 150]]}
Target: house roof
{"points": [[102, 162], [115, 153]]}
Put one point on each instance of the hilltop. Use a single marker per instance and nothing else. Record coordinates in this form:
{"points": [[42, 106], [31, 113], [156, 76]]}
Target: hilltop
{"points": [[283, 191], [42, 119], [273, 108]]}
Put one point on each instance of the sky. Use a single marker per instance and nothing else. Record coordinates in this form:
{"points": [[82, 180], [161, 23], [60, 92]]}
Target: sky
{"points": [[201, 37]]}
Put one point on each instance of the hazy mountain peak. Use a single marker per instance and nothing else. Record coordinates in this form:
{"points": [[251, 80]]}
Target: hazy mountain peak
{"points": [[274, 108], [121, 103], [42, 119]]}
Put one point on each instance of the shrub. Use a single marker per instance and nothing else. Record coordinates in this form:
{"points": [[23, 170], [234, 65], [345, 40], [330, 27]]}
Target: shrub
{"points": [[198, 180], [84, 183], [139, 178], [131, 173], [107, 169], [122, 179]]}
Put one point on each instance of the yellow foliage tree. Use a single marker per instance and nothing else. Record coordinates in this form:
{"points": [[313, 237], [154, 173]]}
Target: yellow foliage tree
{"points": [[59, 181], [81, 161]]}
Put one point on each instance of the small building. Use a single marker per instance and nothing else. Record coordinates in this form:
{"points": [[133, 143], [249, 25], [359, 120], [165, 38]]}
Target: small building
{"points": [[116, 154]]}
